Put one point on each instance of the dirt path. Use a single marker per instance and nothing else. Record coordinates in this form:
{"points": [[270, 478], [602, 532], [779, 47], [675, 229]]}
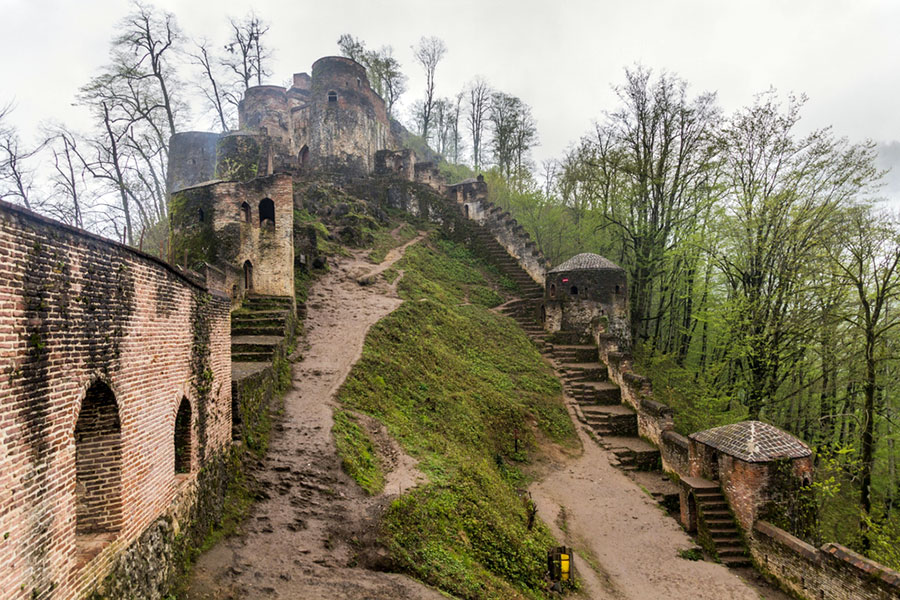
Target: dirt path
{"points": [[300, 540], [631, 543]]}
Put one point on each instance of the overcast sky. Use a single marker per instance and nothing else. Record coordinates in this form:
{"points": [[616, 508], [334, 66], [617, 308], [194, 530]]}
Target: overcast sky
{"points": [[562, 57]]}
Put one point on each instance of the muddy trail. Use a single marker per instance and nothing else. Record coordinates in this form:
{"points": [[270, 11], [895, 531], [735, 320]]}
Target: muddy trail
{"points": [[311, 533], [306, 531], [627, 547]]}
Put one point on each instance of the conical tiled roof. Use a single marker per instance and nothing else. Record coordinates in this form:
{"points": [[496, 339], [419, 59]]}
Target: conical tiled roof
{"points": [[586, 261], [753, 441]]}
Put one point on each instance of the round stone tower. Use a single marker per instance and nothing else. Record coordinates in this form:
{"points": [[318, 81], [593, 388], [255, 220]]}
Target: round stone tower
{"points": [[347, 121]]}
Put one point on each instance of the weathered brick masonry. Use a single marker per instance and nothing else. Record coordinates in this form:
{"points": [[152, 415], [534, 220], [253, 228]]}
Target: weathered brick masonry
{"points": [[100, 346]]}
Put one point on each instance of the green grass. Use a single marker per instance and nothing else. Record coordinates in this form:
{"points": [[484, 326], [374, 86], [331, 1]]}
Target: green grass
{"points": [[459, 386], [385, 242], [357, 452]]}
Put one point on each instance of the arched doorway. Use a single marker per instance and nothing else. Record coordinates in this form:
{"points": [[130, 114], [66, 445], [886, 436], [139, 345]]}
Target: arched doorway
{"points": [[248, 275], [183, 437], [98, 464]]}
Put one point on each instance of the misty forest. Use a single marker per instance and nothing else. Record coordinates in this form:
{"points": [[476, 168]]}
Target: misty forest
{"points": [[762, 266]]}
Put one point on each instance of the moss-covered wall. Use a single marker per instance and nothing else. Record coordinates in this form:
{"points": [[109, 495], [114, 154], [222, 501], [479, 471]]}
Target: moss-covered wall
{"points": [[79, 311]]}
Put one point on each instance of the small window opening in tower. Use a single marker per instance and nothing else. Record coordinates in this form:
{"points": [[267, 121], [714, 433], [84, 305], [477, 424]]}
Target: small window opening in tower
{"points": [[304, 155], [201, 215], [332, 96], [358, 82], [248, 275], [553, 290], [574, 290], [245, 212], [266, 212], [183, 437], [617, 289]]}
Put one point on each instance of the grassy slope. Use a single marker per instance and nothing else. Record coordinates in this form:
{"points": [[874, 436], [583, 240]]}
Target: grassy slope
{"points": [[456, 385]]}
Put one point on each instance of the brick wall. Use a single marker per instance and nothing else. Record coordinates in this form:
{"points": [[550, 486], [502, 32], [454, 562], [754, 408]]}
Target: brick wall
{"points": [[831, 572], [99, 344]]}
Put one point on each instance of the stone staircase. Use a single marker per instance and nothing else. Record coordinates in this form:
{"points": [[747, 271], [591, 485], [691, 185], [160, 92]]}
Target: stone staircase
{"points": [[483, 240], [717, 524], [599, 405], [259, 327]]}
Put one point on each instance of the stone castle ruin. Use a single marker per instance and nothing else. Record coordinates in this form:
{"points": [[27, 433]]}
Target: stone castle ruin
{"points": [[126, 378]]}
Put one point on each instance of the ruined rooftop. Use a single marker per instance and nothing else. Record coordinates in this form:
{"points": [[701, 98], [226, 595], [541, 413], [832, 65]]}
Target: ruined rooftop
{"points": [[584, 262], [753, 441]]}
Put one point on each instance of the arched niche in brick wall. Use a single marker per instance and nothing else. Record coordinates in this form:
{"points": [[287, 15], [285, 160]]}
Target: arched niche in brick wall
{"points": [[183, 438], [98, 464], [245, 212]]}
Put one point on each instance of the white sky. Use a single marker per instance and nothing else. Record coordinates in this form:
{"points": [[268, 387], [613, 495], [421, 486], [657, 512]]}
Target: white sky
{"points": [[561, 57]]}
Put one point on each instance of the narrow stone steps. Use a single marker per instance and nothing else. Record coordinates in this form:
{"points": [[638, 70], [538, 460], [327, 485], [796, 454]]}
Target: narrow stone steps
{"points": [[250, 357], [575, 353], [245, 330]]}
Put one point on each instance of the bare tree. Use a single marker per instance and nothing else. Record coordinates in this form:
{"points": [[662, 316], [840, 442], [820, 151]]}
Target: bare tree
{"points": [[479, 99], [455, 135], [211, 88], [143, 50], [429, 53], [16, 178], [248, 56], [67, 180]]}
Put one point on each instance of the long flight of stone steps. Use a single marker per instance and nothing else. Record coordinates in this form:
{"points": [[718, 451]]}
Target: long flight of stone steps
{"points": [[599, 402], [258, 327], [599, 405], [507, 264]]}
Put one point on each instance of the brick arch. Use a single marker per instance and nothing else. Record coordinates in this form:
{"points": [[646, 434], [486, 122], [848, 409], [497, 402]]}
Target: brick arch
{"points": [[98, 462]]}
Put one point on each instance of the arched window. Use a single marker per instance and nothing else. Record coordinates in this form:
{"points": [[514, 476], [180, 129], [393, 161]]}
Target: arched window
{"points": [[553, 290], [248, 275], [304, 155], [467, 211], [543, 314], [202, 215], [245, 212], [332, 97], [358, 82], [183, 437], [98, 464], [574, 290], [267, 212], [617, 289]]}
